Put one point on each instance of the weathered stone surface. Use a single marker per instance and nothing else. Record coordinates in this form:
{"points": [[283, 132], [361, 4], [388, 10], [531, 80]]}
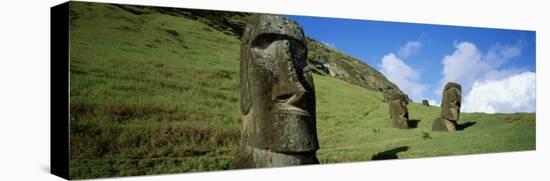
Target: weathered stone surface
{"points": [[425, 102], [450, 108], [442, 124], [277, 96], [398, 111]]}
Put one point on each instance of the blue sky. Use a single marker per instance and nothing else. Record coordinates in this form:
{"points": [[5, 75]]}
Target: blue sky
{"points": [[420, 58]]}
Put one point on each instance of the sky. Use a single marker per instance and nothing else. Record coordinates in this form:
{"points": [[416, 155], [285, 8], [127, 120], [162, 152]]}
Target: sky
{"points": [[496, 67]]}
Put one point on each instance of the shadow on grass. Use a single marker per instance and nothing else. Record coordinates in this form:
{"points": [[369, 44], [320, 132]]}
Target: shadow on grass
{"points": [[413, 123], [465, 125], [390, 154]]}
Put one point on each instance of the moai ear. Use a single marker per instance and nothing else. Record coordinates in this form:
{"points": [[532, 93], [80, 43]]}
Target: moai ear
{"points": [[246, 102], [244, 80]]}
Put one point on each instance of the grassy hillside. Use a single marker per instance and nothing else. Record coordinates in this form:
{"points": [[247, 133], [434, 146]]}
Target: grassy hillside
{"points": [[328, 61], [150, 93], [322, 59], [353, 125], [157, 92]]}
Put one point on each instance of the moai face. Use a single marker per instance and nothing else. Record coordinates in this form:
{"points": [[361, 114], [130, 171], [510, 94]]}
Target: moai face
{"points": [[398, 110], [277, 91], [452, 99]]}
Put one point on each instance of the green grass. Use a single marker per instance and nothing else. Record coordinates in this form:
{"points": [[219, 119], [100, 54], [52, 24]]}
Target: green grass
{"points": [[153, 90], [155, 93], [353, 125]]}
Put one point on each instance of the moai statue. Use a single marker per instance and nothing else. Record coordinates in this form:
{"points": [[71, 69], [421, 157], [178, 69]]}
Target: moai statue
{"points": [[277, 96], [450, 108], [398, 111], [425, 102]]}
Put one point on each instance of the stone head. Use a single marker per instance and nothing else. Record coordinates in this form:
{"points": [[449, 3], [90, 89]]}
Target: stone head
{"points": [[277, 91], [425, 102], [452, 99], [398, 107]]}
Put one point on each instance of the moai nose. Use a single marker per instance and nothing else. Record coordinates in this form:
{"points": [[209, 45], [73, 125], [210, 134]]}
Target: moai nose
{"points": [[290, 90]]}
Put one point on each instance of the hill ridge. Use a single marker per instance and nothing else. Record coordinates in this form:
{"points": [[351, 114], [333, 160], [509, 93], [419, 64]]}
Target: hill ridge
{"points": [[322, 59]]}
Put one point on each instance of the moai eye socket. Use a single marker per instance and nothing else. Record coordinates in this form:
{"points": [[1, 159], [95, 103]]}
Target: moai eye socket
{"points": [[271, 49], [265, 40]]}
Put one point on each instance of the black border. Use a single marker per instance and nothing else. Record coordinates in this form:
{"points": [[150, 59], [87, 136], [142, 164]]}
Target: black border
{"points": [[59, 90]]}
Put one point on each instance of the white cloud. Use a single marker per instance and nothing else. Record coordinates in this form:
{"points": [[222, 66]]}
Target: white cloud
{"points": [[500, 54], [468, 64], [513, 94], [433, 102], [402, 75], [463, 66], [409, 48], [329, 44], [488, 87]]}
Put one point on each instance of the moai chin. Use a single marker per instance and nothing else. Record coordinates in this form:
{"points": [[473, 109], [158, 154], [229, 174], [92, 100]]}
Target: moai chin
{"points": [[450, 108], [398, 111], [277, 96]]}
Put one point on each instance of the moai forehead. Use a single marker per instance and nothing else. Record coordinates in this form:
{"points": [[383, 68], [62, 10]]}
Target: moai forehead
{"points": [[265, 25], [454, 88], [277, 91], [398, 97]]}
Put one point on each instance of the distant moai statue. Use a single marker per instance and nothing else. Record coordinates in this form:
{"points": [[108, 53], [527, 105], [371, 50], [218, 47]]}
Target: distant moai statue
{"points": [[277, 96], [450, 108], [425, 102], [398, 110]]}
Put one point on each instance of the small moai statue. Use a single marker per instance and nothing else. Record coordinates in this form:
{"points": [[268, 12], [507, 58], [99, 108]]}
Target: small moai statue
{"points": [[425, 102], [277, 96], [450, 108], [399, 113]]}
